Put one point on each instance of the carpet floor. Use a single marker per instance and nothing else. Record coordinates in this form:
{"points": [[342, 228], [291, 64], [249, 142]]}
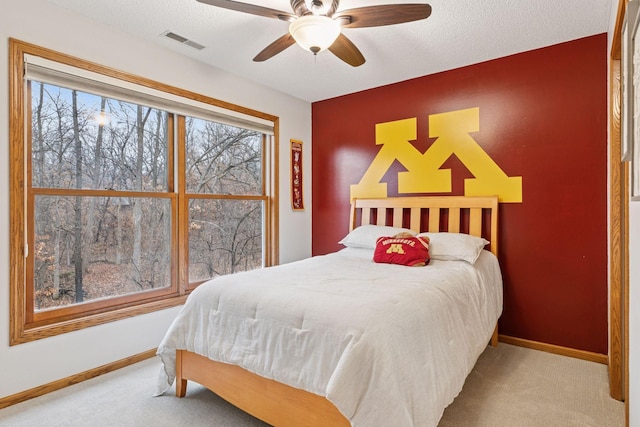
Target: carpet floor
{"points": [[509, 386]]}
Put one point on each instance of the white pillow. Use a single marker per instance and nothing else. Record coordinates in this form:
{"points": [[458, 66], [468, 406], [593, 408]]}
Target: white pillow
{"points": [[365, 236], [455, 246]]}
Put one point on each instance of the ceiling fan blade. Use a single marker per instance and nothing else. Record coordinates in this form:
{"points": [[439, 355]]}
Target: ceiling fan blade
{"points": [[344, 49], [375, 16], [251, 8], [275, 48]]}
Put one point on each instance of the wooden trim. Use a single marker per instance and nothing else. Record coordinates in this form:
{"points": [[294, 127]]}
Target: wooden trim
{"points": [[617, 250], [98, 306], [17, 234], [616, 42], [174, 248], [183, 209], [206, 196], [75, 379], [23, 335], [131, 78], [70, 192], [272, 156], [555, 349], [619, 371], [618, 228]]}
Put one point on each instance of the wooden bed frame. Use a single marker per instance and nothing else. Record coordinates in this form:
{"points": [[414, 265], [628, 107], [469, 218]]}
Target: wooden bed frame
{"points": [[281, 405]]}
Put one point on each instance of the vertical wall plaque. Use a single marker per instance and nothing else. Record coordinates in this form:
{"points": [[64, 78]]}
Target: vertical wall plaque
{"points": [[296, 175]]}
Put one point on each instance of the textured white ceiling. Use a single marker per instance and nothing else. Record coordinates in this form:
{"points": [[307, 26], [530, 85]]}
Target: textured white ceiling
{"points": [[458, 33]]}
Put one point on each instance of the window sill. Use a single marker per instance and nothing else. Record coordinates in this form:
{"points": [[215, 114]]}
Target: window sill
{"points": [[21, 335]]}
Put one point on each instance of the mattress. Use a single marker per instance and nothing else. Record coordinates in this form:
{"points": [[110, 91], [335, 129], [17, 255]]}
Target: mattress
{"points": [[386, 344]]}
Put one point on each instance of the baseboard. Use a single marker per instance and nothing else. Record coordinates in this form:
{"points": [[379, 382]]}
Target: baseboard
{"points": [[556, 349], [92, 373], [75, 379]]}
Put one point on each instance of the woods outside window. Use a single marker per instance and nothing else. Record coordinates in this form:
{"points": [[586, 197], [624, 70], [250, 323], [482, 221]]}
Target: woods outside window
{"points": [[126, 193]]}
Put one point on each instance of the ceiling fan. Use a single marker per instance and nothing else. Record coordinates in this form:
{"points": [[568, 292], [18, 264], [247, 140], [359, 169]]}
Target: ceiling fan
{"points": [[316, 24]]}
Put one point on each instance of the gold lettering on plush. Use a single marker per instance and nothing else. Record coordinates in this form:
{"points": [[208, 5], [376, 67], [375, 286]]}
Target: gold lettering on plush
{"points": [[396, 248], [409, 242], [452, 132]]}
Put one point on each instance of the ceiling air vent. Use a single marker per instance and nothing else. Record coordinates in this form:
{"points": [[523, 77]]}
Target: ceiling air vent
{"points": [[183, 40]]}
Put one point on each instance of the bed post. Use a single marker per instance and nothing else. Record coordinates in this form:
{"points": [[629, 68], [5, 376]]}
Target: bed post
{"points": [[352, 215], [494, 337], [181, 384]]}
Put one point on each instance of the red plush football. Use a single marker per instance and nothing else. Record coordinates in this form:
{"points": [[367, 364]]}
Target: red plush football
{"points": [[402, 249]]}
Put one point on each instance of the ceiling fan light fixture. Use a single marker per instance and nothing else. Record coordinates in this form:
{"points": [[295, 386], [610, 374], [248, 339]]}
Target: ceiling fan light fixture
{"points": [[314, 33], [317, 7]]}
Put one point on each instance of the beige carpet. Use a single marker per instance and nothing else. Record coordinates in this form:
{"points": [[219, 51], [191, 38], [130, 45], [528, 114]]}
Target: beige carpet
{"points": [[514, 386], [509, 387]]}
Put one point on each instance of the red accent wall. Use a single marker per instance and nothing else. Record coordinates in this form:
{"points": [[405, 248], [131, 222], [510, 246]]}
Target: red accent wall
{"points": [[543, 116]]}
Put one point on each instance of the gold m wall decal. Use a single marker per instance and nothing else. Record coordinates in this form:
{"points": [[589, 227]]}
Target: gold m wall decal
{"points": [[423, 173]]}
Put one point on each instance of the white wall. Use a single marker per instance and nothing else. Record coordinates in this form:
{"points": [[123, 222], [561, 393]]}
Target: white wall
{"points": [[634, 315], [40, 362]]}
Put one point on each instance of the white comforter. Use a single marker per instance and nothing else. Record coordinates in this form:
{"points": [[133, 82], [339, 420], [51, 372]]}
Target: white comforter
{"points": [[387, 345]]}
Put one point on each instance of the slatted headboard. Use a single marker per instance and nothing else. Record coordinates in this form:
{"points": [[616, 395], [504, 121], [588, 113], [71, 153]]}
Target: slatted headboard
{"points": [[456, 214]]}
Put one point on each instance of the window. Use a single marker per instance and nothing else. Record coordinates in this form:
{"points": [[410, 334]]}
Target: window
{"points": [[126, 194], [224, 184]]}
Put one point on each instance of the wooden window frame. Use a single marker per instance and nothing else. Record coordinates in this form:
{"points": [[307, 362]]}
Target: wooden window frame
{"points": [[24, 325]]}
